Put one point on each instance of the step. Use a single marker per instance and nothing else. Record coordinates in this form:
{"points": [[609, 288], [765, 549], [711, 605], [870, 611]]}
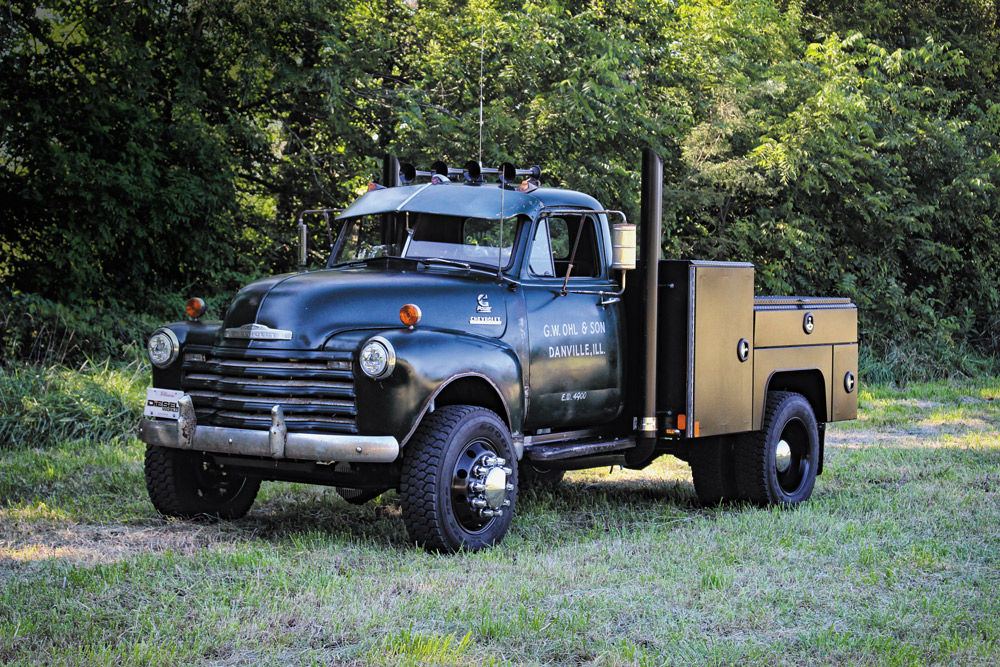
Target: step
{"points": [[572, 449]]}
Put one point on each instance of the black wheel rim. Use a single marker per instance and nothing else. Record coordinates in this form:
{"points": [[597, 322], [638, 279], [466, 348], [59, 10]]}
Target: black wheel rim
{"points": [[213, 483], [791, 456], [468, 517]]}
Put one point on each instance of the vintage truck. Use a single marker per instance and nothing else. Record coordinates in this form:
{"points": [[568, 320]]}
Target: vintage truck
{"points": [[469, 338]]}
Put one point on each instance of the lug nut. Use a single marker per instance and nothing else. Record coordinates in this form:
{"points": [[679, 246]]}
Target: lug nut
{"points": [[508, 472], [478, 503], [476, 486], [506, 503], [510, 487]]}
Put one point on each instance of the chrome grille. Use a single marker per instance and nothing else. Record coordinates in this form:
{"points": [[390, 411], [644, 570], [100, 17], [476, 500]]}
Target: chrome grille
{"points": [[233, 388]]}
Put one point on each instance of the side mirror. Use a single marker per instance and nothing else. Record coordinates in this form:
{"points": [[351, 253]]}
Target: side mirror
{"points": [[303, 244], [623, 247]]}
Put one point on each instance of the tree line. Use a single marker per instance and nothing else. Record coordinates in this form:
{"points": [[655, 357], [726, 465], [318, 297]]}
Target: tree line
{"points": [[153, 148]]}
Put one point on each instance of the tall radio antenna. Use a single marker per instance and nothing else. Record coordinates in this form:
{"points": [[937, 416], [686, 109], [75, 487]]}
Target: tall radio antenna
{"points": [[482, 48]]}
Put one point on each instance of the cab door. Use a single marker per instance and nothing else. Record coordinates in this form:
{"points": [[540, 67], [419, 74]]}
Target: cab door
{"points": [[575, 359]]}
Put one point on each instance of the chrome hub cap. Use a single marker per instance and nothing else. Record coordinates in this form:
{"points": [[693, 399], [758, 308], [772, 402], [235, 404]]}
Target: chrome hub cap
{"points": [[480, 485], [488, 486], [792, 461], [782, 456], [496, 488]]}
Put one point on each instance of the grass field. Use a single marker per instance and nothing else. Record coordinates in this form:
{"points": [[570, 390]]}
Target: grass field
{"points": [[894, 561]]}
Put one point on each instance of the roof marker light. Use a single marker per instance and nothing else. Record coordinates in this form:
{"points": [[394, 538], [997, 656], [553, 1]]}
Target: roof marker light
{"points": [[528, 185]]}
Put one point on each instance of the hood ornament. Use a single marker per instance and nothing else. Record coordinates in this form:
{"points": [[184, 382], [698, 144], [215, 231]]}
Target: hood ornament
{"points": [[258, 332]]}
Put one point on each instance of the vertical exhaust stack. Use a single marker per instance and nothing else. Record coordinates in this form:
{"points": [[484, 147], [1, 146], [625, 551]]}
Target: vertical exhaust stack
{"points": [[390, 179], [650, 218], [390, 171]]}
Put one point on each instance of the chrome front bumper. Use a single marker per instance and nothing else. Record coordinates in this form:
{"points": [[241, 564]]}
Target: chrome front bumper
{"points": [[276, 442]]}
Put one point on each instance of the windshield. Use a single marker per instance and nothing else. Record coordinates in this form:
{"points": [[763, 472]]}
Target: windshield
{"points": [[471, 240], [480, 241], [362, 238]]}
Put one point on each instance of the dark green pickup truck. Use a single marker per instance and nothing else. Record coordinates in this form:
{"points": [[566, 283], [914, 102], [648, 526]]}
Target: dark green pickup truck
{"points": [[468, 338]]}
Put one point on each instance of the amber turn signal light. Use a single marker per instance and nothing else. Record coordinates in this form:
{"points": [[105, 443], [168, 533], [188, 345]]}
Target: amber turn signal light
{"points": [[194, 308], [410, 314]]}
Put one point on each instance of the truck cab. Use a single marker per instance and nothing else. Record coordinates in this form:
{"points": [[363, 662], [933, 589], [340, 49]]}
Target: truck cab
{"points": [[466, 338]]}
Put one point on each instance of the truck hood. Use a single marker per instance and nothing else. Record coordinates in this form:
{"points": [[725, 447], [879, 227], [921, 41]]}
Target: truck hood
{"points": [[317, 305]]}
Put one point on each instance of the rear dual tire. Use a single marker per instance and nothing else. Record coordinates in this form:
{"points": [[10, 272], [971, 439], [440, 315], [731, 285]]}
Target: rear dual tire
{"points": [[713, 470], [778, 464], [538, 478], [774, 466]]}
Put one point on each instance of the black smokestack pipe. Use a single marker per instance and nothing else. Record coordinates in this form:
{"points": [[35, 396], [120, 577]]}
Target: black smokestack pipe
{"points": [[390, 179], [390, 171], [651, 216]]}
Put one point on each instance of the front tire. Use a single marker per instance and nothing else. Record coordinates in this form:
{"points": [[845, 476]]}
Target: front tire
{"points": [[187, 484], [778, 464], [459, 481]]}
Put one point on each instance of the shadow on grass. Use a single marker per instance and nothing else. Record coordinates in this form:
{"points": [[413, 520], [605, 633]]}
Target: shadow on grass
{"points": [[292, 510]]}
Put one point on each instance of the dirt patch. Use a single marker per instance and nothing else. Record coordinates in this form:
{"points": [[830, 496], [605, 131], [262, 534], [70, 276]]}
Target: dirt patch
{"points": [[915, 403], [858, 439], [23, 544]]}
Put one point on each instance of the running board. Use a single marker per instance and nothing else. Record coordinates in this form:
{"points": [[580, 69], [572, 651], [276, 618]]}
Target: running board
{"points": [[577, 448]]}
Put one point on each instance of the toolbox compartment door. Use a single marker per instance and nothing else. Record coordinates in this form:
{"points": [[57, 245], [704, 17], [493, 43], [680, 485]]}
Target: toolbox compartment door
{"points": [[705, 365]]}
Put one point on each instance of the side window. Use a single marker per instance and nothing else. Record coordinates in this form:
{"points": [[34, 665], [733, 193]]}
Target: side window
{"points": [[563, 236], [560, 238], [540, 260]]}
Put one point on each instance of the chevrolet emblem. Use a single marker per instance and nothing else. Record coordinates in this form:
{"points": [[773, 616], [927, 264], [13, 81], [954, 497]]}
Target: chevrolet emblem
{"points": [[258, 332]]}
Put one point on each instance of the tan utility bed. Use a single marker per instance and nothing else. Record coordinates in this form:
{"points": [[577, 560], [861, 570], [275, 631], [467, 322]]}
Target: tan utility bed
{"points": [[723, 350]]}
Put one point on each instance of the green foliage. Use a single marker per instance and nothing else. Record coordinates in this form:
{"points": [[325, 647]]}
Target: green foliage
{"points": [[844, 168], [138, 139], [44, 332], [44, 406], [152, 149]]}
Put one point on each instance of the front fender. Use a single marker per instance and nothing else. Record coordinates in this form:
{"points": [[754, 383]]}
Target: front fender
{"points": [[427, 361]]}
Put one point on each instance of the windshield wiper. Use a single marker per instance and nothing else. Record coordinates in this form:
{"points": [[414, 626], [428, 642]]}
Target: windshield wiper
{"points": [[441, 260], [361, 261], [425, 260]]}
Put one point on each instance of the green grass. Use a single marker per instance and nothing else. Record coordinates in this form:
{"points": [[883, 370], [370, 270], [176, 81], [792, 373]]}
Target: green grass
{"points": [[894, 561], [42, 406]]}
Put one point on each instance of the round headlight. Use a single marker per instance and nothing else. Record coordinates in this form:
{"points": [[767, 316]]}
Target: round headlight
{"points": [[163, 348], [378, 358]]}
